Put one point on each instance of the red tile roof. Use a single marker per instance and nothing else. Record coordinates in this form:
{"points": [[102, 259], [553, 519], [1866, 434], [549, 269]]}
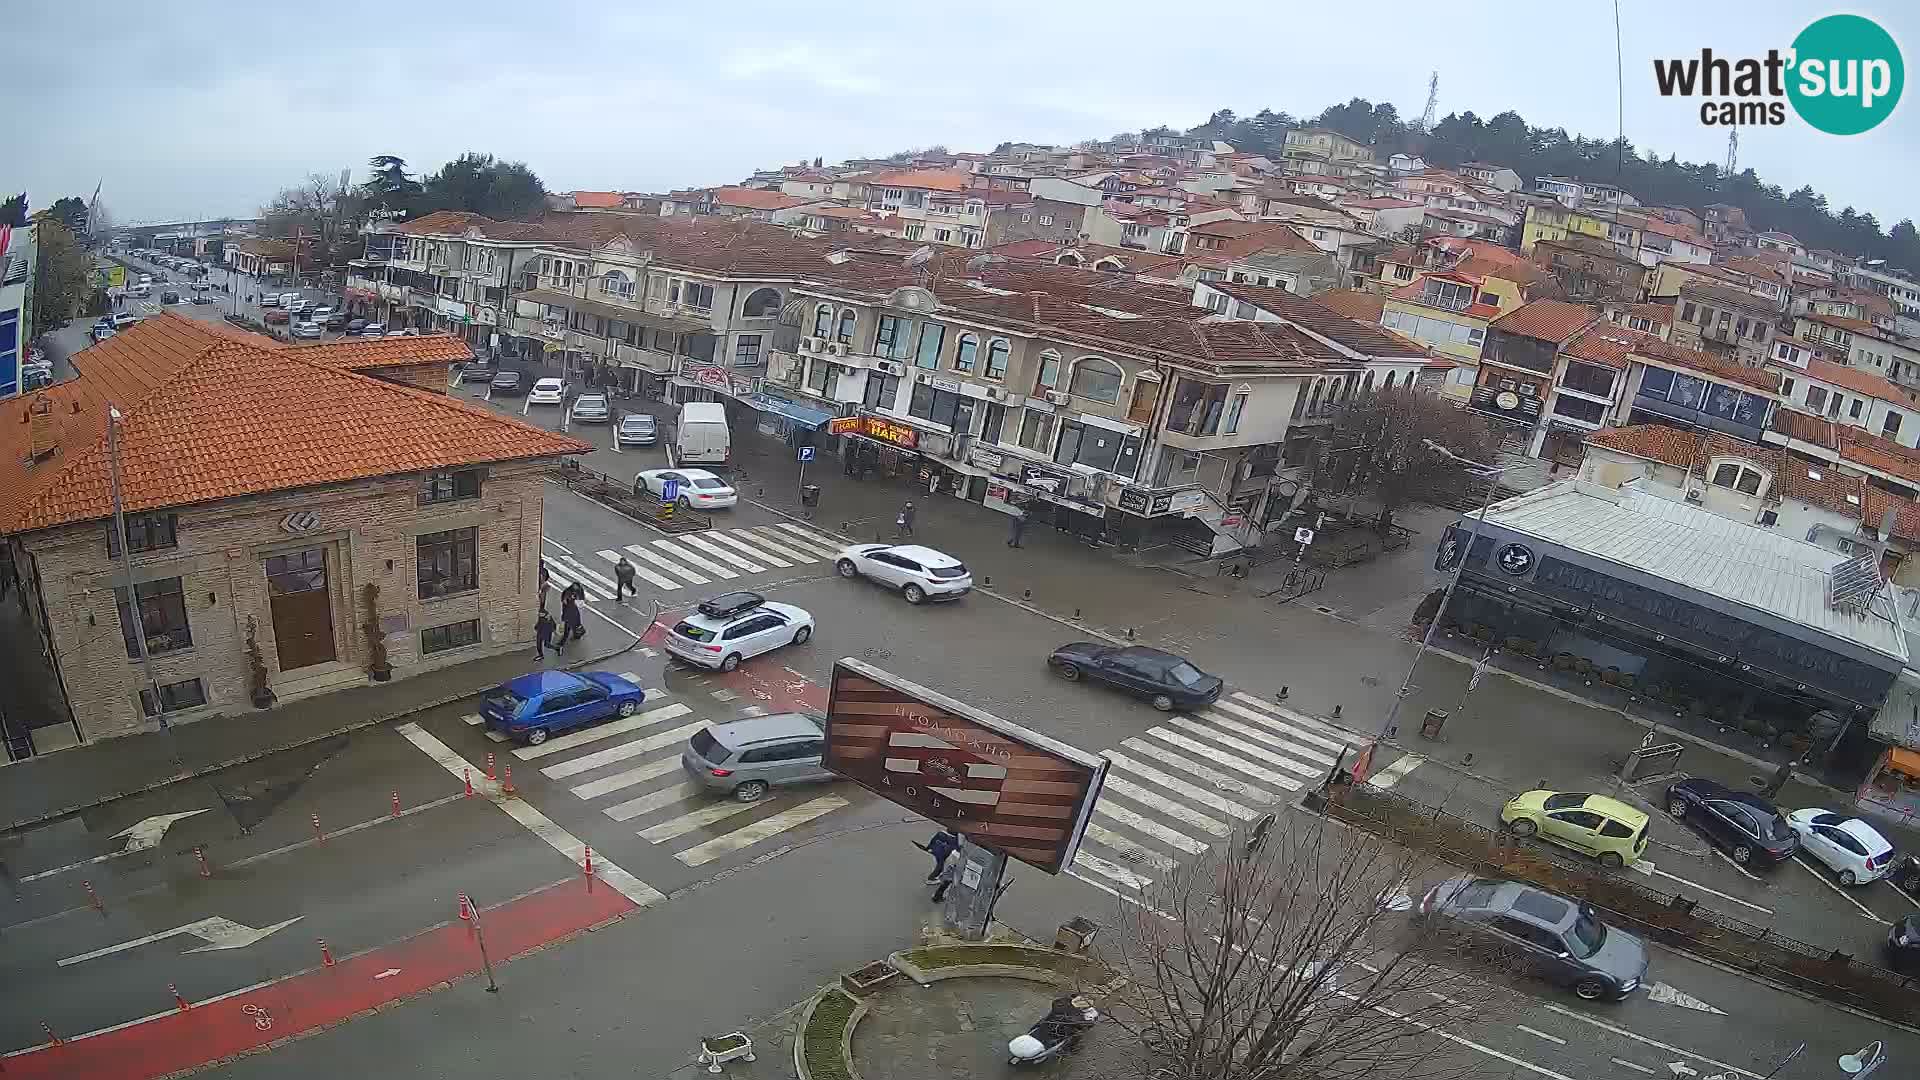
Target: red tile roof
{"points": [[1323, 320], [1906, 516], [755, 198], [1547, 320], [1606, 343], [1861, 381], [1658, 314], [1805, 427], [212, 413], [933, 179], [1841, 322], [1353, 303], [361, 354], [1655, 442], [599, 200], [1708, 364]]}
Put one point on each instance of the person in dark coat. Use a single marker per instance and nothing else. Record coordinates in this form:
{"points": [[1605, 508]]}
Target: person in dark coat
{"points": [[622, 580], [942, 846], [570, 624], [1016, 527], [903, 525], [543, 634]]}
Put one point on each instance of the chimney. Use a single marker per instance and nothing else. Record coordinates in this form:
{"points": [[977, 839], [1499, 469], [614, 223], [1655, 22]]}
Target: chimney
{"points": [[41, 434]]}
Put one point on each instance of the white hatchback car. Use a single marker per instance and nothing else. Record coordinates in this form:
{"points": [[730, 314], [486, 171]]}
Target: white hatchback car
{"points": [[1851, 848], [547, 392], [920, 573], [731, 627], [697, 489]]}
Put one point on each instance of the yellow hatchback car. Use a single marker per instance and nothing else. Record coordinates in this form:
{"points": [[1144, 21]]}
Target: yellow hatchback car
{"points": [[1607, 829]]}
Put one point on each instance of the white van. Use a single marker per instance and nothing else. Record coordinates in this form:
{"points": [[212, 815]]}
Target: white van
{"points": [[702, 437]]}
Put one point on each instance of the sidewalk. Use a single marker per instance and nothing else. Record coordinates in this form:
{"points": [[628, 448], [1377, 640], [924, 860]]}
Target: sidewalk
{"points": [[54, 785]]}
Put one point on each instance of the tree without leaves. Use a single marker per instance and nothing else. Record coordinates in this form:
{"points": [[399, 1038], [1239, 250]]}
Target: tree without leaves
{"points": [[1377, 450], [1289, 963]]}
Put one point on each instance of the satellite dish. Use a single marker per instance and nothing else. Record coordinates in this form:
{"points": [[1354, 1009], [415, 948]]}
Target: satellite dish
{"points": [[920, 257]]}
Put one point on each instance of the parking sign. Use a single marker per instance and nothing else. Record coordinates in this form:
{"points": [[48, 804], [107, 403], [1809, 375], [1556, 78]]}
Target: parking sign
{"points": [[806, 453], [669, 490]]}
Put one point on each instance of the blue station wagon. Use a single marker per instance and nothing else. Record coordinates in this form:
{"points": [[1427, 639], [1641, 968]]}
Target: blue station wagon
{"points": [[532, 707]]}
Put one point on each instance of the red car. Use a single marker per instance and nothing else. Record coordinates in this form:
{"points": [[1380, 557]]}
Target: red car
{"points": [[274, 317]]}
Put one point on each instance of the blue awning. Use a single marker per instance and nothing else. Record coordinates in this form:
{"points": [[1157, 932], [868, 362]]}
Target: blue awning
{"points": [[799, 414]]}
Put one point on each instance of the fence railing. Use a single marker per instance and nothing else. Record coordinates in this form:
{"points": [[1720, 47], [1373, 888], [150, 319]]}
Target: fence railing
{"points": [[1673, 920]]}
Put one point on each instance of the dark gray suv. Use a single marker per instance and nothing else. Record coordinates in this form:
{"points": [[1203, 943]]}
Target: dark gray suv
{"points": [[1554, 938], [746, 758]]}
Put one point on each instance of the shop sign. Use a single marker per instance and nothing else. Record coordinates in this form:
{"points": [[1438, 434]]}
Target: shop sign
{"points": [[1182, 501], [990, 460], [952, 386], [1134, 501], [1161, 504], [887, 431], [846, 425], [715, 377]]}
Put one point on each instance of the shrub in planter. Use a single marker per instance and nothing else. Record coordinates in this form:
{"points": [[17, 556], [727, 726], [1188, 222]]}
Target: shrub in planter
{"points": [[377, 665], [258, 682], [1563, 661]]}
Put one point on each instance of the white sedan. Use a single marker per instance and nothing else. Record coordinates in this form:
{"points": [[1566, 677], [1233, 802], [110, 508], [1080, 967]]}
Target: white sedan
{"points": [[547, 392], [1851, 848], [695, 489]]}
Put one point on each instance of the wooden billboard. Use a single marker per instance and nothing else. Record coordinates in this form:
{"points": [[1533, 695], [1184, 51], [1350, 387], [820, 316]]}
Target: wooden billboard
{"points": [[1007, 788]]}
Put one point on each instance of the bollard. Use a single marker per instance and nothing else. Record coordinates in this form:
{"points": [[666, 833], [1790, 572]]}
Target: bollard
{"points": [[1129, 633], [1026, 594], [466, 909], [51, 1037], [1282, 695], [93, 898], [468, 773], [1336, 712], [490, 773], [326, 954], [507, 785], [988, 582], [205, 870], [319, 836], [1076, 613], [178, 1001], [396, 804], [589, 852]]}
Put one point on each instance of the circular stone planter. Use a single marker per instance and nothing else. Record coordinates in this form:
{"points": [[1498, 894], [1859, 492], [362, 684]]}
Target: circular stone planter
{"points": [[836, 1064]]}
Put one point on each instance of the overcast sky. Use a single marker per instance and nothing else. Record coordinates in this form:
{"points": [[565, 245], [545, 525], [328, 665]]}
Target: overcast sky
{"points": [[200, 109]]}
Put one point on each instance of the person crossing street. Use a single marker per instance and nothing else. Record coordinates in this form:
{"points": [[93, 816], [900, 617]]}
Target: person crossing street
{"points": [[622, 580], [903, 524]]}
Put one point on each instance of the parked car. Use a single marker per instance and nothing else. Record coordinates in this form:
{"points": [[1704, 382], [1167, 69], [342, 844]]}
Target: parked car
{"points": [[1555, 938], [140, 291], [320, 313], [270, 301], [506, 382], [336, 321], [124, 320], [920, 573], [1751, 829], [1854, 850], [1161, 678], [203, 298], [590, 409], [697, 489], [354, 326], [102, 333], [373, 329], [1607, 829], [35, 378], [636, 429], [169, 297], [533, 707], [1903, 945], [476, 371], [747, 758], [731, 627], [307, 330], [548, 392], [275, 317]]}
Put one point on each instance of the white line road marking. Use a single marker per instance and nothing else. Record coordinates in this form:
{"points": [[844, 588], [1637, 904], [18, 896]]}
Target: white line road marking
{"points": [[1655, 1043], [722, 554], [586, 575], [651, 801], [745, 836], [495, 736], [1141, 823], [1386, 778], [1218, 757], [753, 710], [602, 731], [1106, 837], [667, 565], [1220, 781], [1294, 749], [621, 753], [1295, 716], [1294, 732], [1117, 874], [1176, 810], [556, 544], [1903, 893], [1251, 749], [677, 552], [746, 549], [640, 571], [536, 822], [759, 537], [826, 548], [1838, 891], [567, 575], [1625, 1064], [1538, 1034], [694, 819], [473, 719], [1672, 995], [1652, 869], [1212, 800], [813, 536]]}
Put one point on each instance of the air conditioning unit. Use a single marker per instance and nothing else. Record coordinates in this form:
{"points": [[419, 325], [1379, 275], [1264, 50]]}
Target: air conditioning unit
{"points": [[1058, 397], [1694, 495], [890, 367], [840, 348], [808, 344]]}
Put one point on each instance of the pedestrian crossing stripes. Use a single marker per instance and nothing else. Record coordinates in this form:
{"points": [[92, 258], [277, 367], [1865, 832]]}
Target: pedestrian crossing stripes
{"points": [[700, 559], [629, 768], [1180, 789]]}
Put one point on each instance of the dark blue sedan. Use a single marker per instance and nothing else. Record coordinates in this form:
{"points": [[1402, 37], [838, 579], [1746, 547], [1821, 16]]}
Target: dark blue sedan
{"points": [[532, 707]]}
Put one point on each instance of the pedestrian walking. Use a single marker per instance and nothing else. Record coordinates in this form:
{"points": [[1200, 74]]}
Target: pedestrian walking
{"points": [[1016, 527], [570, 624], [903, 524], [545, 584], [622, 580], [543, 634], [948, 873], [941, 846]]}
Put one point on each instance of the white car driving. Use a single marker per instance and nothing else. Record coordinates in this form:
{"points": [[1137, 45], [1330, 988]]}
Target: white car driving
{"points": [[920, 573], [695, 489], [1854, 850], [732, 627], [547, 392]]}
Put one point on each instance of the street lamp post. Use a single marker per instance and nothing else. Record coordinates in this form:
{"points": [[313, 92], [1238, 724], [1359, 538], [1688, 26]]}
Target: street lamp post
{"points": [[1491, 473], [1864, 1060]]}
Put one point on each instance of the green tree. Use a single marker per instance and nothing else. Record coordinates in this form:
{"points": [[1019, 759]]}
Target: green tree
{"points": [[71, 211], [61, 273], [476, 183], [14, 210], [388, 185]]}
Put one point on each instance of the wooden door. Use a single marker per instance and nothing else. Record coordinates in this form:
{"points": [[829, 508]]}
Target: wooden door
{"points": [[302, 608]]}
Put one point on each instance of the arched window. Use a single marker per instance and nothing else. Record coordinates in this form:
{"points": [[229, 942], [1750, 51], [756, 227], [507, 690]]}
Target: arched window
{"points": [[1110, 264], [1366, 385], [1048, 377], [845, 336], [964, 352], [1096, 379], [997, 352], [823, 321], [761, 304], [1313, 402], [1391, 375], [615, 283], [1067, 258]]}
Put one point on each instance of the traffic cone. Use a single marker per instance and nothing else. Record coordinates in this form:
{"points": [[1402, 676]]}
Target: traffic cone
{"points": [[589, 862], [466, 909], [326, 954], [507, 785], [178, 1001]]}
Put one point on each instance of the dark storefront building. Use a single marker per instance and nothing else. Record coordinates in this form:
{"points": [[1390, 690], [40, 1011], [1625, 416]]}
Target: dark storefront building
{"points": [[1739, 630]]}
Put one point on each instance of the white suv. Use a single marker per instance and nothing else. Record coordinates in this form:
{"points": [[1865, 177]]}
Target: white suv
{"points": [[731, 627], [920, 573]]}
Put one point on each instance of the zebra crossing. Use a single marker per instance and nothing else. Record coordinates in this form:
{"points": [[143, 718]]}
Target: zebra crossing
{"points": [[629, 769], [697, 559], [1185, 785]]}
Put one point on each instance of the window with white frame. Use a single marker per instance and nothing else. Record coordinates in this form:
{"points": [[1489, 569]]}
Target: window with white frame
{"points": [[1046, 220], [914, 232], [998, 351], [616, 284], [822, 321], [965, 352], [695, 295], [1096, 379], [1048, 377], [1732, 474], [942, 236], [746, 351]]}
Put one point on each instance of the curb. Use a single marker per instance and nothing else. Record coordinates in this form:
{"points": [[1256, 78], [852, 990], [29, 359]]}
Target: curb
{"points": [[305, 740], [611, 509]]}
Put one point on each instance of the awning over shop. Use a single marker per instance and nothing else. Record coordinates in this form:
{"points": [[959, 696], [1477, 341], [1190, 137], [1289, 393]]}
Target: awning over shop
{"points": [[605, 310], [794, 411]]}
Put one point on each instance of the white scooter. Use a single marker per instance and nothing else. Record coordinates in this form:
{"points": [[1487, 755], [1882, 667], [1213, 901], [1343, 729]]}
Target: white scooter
{"points": [[1058, 1033]]}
